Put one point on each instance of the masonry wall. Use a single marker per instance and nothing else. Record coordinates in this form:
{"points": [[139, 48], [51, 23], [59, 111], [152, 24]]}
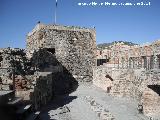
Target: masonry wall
{"points": [[75, 48], [43, 90], [132, 83], [102, 78], [45, 60], [120, 83], [151, 104], [10, 58]]}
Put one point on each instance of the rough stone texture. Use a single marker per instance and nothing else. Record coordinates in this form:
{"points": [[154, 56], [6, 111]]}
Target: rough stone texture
{"points": [[123, 56], [100, 78], [16, 67], [100, 111], [151, 104], [20, 83], [11, 59], [61, 113], [121, 82], [133, 83], [45, 60], [42, 92], [74, 47], [56, 56], [133, 69]]}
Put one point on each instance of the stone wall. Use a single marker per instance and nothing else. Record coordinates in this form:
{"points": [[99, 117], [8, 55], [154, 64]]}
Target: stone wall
{"points": [[124, 56], [42, 75], [132, 83], [122, 83], [56, 57], [75, 48], [11, 59], [102, 78], [151, 104], [42, 92], [44, 60]]}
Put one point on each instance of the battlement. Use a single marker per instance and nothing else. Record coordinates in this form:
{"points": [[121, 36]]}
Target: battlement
{"points": [[60, 27]]}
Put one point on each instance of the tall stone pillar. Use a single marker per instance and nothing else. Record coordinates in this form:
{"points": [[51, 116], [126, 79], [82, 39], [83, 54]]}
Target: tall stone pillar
{"points": [[139, 62], [129, 63], [152, 61], [133, 62], [145, 62], [142, 62], [148, 62], [156, 62], [136, 63], [122, 63], [118, 63]]}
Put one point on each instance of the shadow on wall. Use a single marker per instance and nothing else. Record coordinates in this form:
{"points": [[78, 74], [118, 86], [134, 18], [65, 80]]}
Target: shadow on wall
{"points": [[108, 76], [63, 82], [45, 61], [155, 88], [6, 113]]}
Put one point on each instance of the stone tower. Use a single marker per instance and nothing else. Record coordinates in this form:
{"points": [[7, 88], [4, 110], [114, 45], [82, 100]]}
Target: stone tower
{"points": [[74, 47]]}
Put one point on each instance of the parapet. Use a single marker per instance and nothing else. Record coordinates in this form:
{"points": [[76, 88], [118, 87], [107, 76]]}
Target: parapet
{"points": [[60, 27]]}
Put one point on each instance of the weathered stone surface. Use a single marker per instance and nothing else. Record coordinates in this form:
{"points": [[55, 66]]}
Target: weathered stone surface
{"points": [[100, 111], [102, 78], [150, 102], [133, 69], [42, 92], [11, 59], [74, 47]]}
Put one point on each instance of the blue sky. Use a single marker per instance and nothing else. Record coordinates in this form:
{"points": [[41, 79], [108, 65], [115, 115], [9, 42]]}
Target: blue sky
{"points": [[137, 24]]}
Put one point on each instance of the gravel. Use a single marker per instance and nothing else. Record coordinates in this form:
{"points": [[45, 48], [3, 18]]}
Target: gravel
{"points": [[76, 107]]}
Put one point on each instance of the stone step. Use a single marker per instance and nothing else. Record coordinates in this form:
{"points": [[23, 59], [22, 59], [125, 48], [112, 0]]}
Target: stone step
{"points": [[24, 110], [33, 116], [14, 101], [6, 96]]}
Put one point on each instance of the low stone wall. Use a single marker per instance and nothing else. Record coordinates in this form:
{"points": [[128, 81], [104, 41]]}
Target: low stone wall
{"points": [[117, 82], [151, 103], [43, 90], [11, 58], [131, 83], [100, 78]]}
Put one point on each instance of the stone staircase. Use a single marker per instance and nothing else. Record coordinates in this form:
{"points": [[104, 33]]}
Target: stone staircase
{"points": [[14, 108]]}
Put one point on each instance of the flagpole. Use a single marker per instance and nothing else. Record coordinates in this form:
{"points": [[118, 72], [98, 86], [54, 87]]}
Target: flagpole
{"points": [[55, 18]]}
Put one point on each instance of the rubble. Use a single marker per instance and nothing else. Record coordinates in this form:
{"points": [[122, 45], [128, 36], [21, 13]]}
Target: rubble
{"points": [[101, 112], [55, 59], [132, 69], [58, 57]]}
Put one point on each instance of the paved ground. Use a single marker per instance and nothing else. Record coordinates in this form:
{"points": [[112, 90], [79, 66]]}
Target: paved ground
{"points": [[87, 102]]}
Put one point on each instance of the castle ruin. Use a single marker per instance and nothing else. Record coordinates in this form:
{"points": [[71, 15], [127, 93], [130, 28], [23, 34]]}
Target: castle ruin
{"points": [[135, 73], [58, 58]]}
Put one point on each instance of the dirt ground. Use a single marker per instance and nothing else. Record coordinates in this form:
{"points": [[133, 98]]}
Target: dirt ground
{"points": [[91, 103]]}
